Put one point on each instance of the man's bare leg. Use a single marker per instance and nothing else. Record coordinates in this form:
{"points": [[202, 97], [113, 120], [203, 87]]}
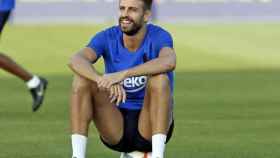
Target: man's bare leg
{"points": [[156, 115], [107, 117], [81, 115], [87, 104], [11, 66]]}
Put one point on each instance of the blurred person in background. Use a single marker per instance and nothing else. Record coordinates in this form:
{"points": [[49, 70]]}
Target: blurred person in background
{"points": [[37, 85]]}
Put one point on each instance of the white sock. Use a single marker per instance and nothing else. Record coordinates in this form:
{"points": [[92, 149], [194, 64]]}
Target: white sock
{"points": [[158, 145], [33, 82], [79, 143]]}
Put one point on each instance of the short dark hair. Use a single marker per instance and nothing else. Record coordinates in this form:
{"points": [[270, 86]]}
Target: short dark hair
{"points": [[147, 4]]}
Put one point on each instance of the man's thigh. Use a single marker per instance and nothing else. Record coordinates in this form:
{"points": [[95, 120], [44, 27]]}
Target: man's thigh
{"points": [[145, 126], [106, 116]]}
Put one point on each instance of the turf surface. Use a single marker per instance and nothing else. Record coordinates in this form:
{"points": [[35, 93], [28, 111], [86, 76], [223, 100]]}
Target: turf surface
{"points": [[227, 92]]}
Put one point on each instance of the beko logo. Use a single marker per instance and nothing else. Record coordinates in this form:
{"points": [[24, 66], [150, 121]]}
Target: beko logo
{"points": [[134, 84]]}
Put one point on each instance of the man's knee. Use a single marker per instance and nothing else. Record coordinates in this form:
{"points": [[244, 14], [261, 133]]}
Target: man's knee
{"points": [[158, 83], [81, 84]]}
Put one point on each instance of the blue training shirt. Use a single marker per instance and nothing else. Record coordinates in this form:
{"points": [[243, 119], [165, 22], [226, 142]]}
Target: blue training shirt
{"points": [[7, 5], [109, 45]]}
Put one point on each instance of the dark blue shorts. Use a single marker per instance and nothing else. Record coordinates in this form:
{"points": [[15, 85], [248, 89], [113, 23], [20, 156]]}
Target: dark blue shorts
{"points": [[132, 139], [4, 16]]}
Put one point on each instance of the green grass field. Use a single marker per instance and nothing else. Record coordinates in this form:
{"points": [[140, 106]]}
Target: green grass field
{"points": [[227, 92]]}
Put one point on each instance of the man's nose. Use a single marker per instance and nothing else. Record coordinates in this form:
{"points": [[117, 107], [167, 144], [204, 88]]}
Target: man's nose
{"points": [[125, 13]]}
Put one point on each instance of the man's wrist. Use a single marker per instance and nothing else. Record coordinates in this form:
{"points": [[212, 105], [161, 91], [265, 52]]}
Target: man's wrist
{"points": [[97, 78], [126, 73]]}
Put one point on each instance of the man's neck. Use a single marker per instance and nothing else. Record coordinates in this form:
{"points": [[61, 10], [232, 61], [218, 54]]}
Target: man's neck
{"points": [[132, 43]]}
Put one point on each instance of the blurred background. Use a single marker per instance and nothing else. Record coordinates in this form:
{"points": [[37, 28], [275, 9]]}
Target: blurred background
{"points": [[93, 11], [227, 92]]}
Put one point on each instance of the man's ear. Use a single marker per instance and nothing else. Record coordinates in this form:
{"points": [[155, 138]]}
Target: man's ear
{"points": [[147, 15]]}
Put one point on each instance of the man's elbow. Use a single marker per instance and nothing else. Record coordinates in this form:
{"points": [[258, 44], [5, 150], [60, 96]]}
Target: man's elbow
{"points": [[71, 62], [172, 62], [171, 65]]}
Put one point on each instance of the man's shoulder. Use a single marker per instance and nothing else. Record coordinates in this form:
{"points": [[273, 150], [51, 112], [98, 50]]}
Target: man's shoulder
{"points": [[111, 32], [156, 31]]}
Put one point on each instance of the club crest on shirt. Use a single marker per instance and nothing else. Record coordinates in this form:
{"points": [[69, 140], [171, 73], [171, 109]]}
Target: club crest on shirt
{"points": [[134, 84]]}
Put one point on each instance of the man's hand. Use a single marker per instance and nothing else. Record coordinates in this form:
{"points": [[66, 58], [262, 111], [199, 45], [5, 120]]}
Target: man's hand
{"points": [[112, 83], [107, 80], [117, 94]]}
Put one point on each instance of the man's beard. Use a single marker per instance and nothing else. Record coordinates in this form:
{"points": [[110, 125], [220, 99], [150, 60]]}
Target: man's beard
{"points": [[134, 29]]}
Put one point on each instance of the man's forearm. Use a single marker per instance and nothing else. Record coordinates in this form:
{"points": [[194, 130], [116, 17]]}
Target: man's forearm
{"points": [[152, 67], [83, 67]]}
